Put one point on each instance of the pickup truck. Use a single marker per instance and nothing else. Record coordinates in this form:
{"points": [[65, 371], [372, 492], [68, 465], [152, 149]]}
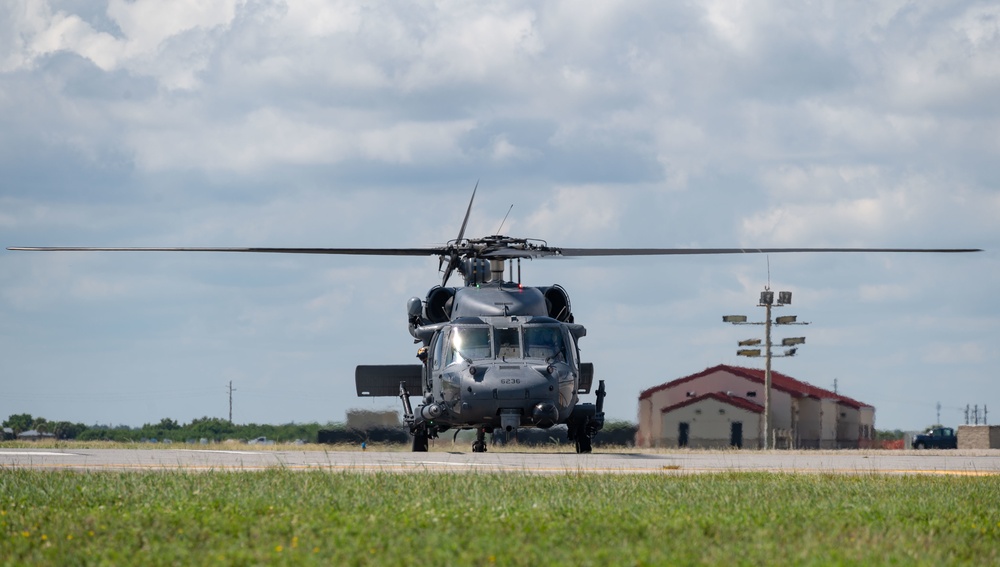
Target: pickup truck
{"points": [[936, 438]]}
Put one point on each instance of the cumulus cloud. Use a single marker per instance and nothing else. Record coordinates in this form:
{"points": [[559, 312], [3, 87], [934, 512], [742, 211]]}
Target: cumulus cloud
{"points": [[575, 214], [340, 122]]}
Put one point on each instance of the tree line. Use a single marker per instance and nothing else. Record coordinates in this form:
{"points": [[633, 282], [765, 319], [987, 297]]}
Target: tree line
{"points": [[211, 428], [216, 429]]}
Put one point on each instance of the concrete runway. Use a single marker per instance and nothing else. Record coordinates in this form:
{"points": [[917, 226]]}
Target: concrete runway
{"points": [[985, 462]]}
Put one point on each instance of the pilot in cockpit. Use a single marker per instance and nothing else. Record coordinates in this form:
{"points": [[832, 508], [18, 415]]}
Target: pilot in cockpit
{"points": [[544, 342], [508, 343]]}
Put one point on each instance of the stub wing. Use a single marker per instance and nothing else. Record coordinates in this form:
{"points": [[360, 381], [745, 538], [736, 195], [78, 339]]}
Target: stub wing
{"points": [[384, 379]]}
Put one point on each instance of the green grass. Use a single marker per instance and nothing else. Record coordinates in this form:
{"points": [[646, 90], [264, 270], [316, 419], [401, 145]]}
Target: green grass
{"points": [[322, 518]]}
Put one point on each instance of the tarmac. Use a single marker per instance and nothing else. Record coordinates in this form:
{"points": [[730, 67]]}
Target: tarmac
{"points": [[954, 462]]}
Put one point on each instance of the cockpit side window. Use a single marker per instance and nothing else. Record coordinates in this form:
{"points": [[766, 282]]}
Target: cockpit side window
{"points": [[468, 343], [439, 340], [545, 343], [508, 343]]}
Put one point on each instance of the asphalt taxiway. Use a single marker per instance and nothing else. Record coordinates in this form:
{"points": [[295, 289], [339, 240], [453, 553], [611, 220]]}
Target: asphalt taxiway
{"points": [[985, 462]]}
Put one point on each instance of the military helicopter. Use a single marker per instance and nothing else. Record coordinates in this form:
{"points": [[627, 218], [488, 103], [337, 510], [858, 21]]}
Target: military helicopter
{"points": [[495, 355]]}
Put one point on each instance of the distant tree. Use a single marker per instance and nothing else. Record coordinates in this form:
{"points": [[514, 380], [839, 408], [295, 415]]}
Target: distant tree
{"points": [[210, 428], [41, 425], [166, 429], [617, 432], [19, 422], [168, 424], [67, 430]]}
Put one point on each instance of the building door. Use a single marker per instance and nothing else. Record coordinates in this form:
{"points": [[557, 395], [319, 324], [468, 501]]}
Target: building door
{"points": [[682, 434], [736, 434]]}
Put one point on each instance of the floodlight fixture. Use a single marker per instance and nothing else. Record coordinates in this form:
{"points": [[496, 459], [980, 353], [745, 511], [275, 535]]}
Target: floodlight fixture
{"points": [[763, 350]]}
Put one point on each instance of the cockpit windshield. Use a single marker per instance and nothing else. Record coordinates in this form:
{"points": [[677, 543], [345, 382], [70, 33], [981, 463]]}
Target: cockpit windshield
{"points": [[508, 343], [469, 343], [544, 342]]}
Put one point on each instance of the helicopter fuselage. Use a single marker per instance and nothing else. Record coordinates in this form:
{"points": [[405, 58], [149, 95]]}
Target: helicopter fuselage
{"points": [[494, 356], [507, 371]]}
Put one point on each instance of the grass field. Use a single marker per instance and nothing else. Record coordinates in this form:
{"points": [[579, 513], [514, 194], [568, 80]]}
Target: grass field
{"points": [[317, 518]]}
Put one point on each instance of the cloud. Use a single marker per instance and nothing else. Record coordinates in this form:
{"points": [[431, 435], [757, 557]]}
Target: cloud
{"points": [[345, 123], [576, 214], [863, 205]]}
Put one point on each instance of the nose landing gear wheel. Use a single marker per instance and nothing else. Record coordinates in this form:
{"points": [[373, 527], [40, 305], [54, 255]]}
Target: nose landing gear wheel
{"points": [[420, 440]]}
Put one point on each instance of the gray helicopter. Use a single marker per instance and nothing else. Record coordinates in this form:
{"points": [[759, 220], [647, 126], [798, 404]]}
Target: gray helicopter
{"points": [[495, 355]]}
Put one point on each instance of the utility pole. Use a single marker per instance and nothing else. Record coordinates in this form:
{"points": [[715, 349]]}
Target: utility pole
{"points": [[231, 390], [766, 300]]}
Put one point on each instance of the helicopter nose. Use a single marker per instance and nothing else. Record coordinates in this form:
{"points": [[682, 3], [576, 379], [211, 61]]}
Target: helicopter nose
{"points": [[545, 414]]}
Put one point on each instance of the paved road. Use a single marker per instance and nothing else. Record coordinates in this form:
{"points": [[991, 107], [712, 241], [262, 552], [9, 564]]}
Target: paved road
{"points": [[681, 462]]}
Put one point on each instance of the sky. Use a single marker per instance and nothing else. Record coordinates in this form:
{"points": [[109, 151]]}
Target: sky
{"points": [[355, 124]]}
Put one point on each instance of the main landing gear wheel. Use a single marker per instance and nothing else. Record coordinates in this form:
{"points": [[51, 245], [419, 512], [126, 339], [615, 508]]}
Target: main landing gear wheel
{"points": [[479, 445], [583, 444]]}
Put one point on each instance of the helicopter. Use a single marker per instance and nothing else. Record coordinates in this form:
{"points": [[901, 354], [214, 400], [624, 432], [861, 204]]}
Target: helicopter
{"points": [[495, 355]]}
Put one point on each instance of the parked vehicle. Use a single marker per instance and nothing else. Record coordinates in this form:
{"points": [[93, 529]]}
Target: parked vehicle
{"points": [[936, 438]]}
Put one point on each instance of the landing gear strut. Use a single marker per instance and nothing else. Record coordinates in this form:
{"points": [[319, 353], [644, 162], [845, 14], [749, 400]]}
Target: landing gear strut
{"points": [[586, 421], [421, 433]]}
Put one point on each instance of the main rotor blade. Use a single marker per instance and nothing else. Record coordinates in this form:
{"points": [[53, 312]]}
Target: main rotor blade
{"points": [[500, 253], [340, 251], [454, 261], [468, 211], [698, 251]]}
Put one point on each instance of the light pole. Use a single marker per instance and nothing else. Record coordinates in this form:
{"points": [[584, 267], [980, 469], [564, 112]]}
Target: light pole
{"points": [[767, 301]]}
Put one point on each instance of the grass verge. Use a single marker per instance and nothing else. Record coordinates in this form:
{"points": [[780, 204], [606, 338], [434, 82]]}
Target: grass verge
{"points": [[318, 518]]}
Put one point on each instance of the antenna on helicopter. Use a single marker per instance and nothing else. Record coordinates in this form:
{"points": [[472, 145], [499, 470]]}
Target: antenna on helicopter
{"points": [[505, 219]]}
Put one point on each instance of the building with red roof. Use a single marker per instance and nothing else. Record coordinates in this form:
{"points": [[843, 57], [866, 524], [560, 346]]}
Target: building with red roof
{"points": [[723, 406]]}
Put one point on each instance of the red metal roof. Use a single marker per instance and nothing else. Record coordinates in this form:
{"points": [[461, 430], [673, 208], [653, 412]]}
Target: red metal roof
{"points": [[779, 381], [736, 401]]}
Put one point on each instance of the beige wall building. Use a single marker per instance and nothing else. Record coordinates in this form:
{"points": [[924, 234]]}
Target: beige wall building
{"points": [[723, 406], [979, 436]]}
